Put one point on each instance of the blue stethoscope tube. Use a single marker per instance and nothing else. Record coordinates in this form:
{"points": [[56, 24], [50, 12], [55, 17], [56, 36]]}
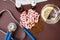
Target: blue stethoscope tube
{"points": [[29, 34], [8, 36]]}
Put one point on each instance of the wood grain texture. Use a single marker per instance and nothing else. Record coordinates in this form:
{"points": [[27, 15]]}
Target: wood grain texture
{"points": [[49, 32]]}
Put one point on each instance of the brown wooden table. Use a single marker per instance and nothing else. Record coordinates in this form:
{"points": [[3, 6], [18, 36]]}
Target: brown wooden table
{"points": [[50, 32]]}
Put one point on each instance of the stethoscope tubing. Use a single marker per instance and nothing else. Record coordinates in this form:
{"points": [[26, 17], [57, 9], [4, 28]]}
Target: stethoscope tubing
{"points": [[24, 29]]}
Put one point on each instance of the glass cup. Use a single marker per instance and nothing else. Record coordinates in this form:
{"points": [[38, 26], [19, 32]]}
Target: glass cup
{"points": [[50, 14]]}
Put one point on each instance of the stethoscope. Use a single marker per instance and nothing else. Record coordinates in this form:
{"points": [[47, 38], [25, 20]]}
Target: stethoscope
{"points": [[11, 28], [24, 29], [13, 25]]}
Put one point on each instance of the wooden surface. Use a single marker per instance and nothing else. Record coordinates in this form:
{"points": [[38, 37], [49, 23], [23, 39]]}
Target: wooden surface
{"points": [[49, 32]]}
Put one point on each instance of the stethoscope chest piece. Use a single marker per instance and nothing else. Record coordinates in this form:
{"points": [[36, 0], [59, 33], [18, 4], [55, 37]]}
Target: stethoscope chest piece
{"points": [[50, 13], [12, 27]]}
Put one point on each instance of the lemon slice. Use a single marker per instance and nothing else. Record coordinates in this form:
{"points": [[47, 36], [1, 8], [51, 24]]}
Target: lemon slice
{"points": [[50, 10]]}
